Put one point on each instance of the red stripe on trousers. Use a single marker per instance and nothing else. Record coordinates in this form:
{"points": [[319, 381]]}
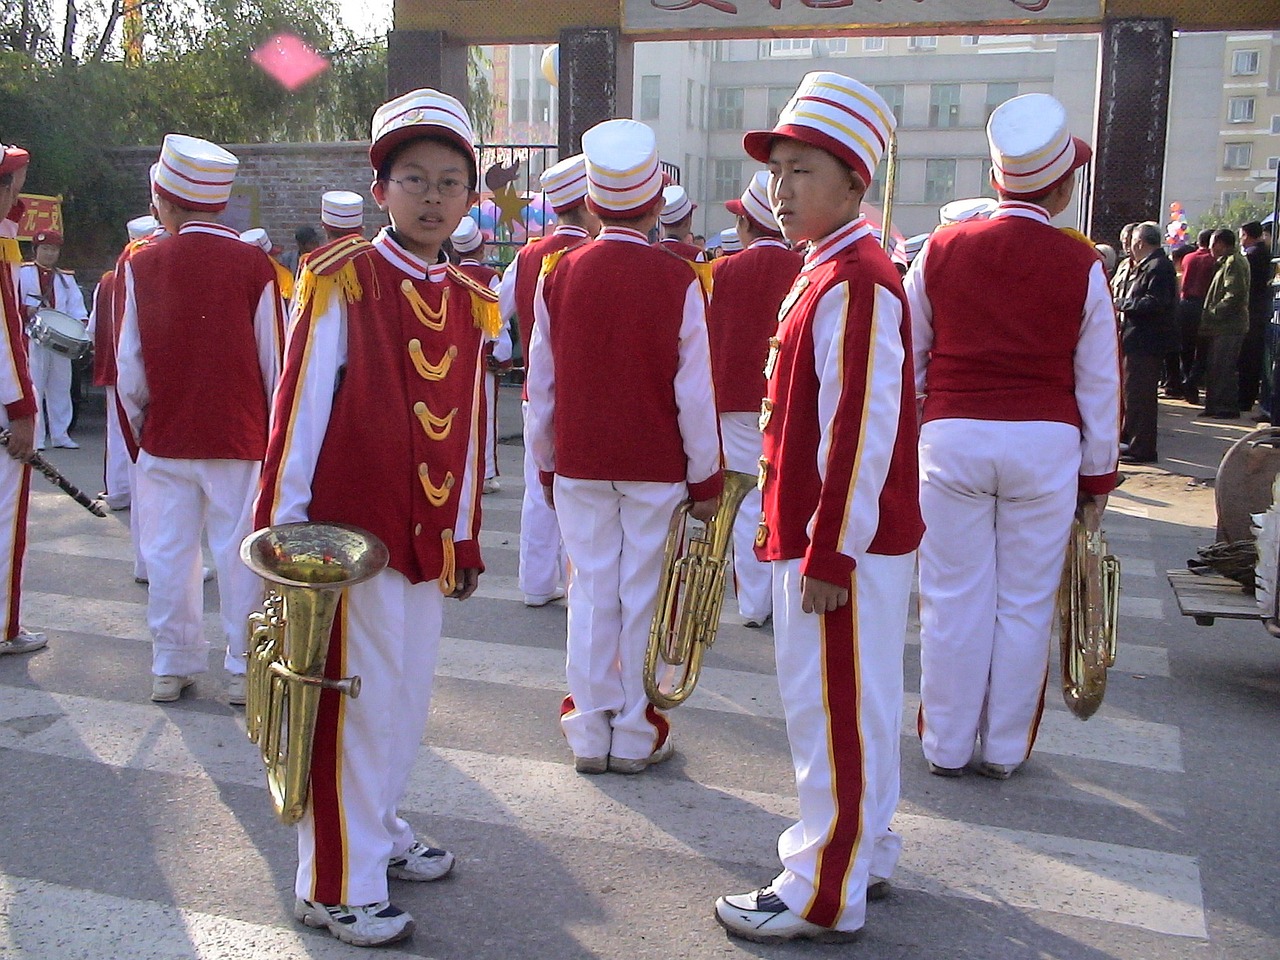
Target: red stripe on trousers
{"points": [[660, 723], [12, 615], [839, 638], [326, 762]]}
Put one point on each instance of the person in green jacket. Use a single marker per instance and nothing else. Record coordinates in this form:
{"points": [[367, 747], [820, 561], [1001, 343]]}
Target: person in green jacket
{"points": [[1224, 323]]}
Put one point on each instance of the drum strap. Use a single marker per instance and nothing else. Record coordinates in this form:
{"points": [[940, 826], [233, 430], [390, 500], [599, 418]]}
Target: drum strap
{"points": [[47, 287]]}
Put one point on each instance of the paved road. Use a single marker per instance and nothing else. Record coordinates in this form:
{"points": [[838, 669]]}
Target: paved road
{"points": [[134, 830]]}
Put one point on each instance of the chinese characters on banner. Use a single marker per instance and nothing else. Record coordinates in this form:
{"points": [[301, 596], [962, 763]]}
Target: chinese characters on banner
{"points": [[657, 16], [41, 213]]}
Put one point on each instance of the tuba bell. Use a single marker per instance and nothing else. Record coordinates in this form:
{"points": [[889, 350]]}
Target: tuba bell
{"points": [[1088, 613], [310, 565], [690, 594]]}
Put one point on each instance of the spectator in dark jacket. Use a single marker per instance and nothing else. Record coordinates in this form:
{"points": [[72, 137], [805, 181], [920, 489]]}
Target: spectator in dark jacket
{"points": [[1148, 332], [1254, 353], [1224, 323]]}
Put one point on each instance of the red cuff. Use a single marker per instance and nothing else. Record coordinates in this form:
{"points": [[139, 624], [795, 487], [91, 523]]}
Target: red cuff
{"points": [[708, 488], [466, 555], [828, 566], [546, 477], [21, 409], [1098, 485]]}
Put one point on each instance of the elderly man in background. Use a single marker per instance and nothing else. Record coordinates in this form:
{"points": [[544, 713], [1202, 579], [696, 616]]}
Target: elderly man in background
{"points": [[1198, 268], [1223, 324], [1255, 354], [1148, 332]]}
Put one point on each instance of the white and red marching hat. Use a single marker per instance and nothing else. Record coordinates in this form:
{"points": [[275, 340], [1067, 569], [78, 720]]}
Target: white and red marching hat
{"points": [[342, 210], [623, 176], [565, 184], [676, 205], [193, 173], [1031, 149], [260, 239], [467, 238], [421, 113], [730, 242], [837, 114], [958, 211], [12, 158], [754, 204], [907, 250], [143, 226]]}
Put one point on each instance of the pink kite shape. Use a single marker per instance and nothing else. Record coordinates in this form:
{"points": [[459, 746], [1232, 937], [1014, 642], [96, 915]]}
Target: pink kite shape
{"points": [[289, 61]]}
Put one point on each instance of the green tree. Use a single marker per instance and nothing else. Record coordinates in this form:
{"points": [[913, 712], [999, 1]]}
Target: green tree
{"points": [[1234, 214]]}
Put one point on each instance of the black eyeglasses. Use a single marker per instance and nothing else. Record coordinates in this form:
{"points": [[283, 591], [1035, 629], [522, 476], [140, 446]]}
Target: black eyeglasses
{"points": [[418, 186]]}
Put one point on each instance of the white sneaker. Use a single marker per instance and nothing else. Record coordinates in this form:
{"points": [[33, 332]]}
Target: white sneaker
{"points": [[491, 485], [67, 444], [206, 574], [169, 689], [235, 690], [590, 765], [761, 916], [420, 863], [23, 642], [542, 599], [996, 771], [625, 765], [366, 926]]}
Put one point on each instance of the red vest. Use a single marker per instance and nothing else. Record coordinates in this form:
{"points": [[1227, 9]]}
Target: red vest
{"points": [[686, 250], [1008, 299], [104, 332], [741, 318], [530, 265], [196, 296], [616, 309], [15, 325]]}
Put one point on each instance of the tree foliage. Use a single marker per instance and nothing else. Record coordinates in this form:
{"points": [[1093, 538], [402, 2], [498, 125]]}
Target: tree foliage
{"points": [[1234, 214]]}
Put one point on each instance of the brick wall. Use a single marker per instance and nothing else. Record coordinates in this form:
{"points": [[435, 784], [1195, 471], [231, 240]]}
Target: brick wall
{"points": [[278, 186]]}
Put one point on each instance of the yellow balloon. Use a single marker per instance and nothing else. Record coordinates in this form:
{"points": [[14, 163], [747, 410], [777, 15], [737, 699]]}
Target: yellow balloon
{"points": [[551, 64]]}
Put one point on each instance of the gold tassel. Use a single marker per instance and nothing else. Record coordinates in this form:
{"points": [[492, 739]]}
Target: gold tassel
{"points": [[431, 319], [436, 428], [10, 252], [318, 289], [703, 270], [449, 568], [485, 315]]}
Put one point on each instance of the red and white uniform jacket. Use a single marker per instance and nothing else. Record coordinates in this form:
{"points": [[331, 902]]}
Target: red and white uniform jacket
{"points": [[497, 351], [201, 337], [1013, 320], [16, 393], [56, 289], [839, 468], [742, 318], [102, 328], [687, 250], [520, 281], [620, 373], [379, 419]]}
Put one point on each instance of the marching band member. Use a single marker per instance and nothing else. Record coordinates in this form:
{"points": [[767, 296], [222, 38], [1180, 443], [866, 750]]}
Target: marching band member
{"points": [[19, 413], [841, 518], [1006, 363], [284, 276], [730, 242], [564, 185], [468, 244], [377, 423], [962, 211], [741, 320], [623, 428], [43, 284], [195, 396], [676, 219], [341, 213]]}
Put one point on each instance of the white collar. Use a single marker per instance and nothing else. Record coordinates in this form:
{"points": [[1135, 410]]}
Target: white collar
{"points": [[409, 263], [625, 234], [1020, 208], [823, 250], [208, 226]]}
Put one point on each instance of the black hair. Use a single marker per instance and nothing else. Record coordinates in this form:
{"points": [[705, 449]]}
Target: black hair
{"points": [[306, 234], [1204, 238], [1225, 237], [1252, 229]]}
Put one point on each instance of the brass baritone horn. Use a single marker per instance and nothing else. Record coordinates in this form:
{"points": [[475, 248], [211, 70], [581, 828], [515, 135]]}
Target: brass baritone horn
{"points": [[311, 564], [690, 594], [1088, 614]]}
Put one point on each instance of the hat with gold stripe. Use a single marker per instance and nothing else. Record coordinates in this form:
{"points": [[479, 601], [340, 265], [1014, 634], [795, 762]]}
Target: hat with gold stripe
{"points": [[194, 174], [837, 114], [565, 184], [624, 179], [754, 204], [1031, 149], [421, 113], [467, 238], [143, 226], [676, 204], [342, 209]]}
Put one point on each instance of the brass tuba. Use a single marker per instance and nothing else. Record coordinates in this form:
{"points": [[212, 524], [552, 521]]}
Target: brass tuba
{"points": [[311, 564], [690, 594], [1088, 614]]}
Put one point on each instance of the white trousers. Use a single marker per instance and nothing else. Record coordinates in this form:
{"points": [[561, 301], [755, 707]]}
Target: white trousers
{"points": [[743, 442], [997, 500], [51, 378], [387, 632], [491, 438], [135, 525], [840, 675], [116, 467], [178, 500], [614, 533], [541, 555], [15, 492]]}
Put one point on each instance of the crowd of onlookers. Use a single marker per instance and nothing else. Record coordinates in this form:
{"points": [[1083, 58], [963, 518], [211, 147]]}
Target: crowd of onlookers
{"points": [[1195, 323]]}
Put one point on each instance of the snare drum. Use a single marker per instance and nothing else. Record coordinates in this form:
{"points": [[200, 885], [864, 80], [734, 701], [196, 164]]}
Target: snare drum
{"points": [[60, 333]]}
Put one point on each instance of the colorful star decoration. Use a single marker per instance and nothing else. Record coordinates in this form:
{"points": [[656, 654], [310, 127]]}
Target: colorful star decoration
{"points": [[289, 61], [510, 204]]}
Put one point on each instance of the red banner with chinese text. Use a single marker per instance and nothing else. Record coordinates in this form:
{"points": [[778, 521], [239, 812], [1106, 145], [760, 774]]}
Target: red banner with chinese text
{"points": [[42, 213]]}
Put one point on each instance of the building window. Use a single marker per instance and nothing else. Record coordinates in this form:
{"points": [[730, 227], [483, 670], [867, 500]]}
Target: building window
{"points": [[779, 97], [944, 105], [520, 102], [704, 106], [650, 96], [728, 180], [969, 41], [541, 101], [985, 188], [922, 43], [790, 47], [875, 191], [728, 112], [998, 93], [872, 44], [1275, 123], [1239, 156], [892, 94], [837, 46], [728, 51], [1273, 163], [1244, 63], [1234, 196], [1240, 110], [939, 181]]}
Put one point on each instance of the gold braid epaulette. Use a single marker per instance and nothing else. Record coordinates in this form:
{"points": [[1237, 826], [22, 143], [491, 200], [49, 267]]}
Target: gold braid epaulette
{"points": [[705, 274], [1075, 234], [484, 302], [10, 252], [329, 268]]}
